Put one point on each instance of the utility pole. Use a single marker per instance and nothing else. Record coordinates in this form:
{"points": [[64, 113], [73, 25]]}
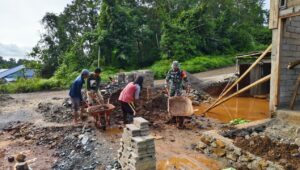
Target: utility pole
{"points": [[99, 54]]}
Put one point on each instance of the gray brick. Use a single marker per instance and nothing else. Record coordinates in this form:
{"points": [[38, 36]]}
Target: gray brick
{"points": [[297, 30], [295, 24], [290, 29]]}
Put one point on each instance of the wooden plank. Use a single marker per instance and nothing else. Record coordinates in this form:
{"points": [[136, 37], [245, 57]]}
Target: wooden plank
{"points": [[295, 94], [277, 64], [243, 76], [274, 14], [260, 81], [293, 64]]}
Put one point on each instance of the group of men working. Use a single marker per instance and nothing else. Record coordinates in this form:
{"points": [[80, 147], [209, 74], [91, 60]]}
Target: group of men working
{"points": [[176, 80]]}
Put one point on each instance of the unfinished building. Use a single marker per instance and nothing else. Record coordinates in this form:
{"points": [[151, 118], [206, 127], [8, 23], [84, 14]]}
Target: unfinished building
{"points": [[285, 26]]}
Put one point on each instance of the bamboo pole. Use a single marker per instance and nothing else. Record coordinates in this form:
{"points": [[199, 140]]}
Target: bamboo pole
{"points": [[240, 78], [262, 80]]}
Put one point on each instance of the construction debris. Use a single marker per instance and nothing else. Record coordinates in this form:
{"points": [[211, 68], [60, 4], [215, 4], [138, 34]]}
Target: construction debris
{"points": [[55, 113]]}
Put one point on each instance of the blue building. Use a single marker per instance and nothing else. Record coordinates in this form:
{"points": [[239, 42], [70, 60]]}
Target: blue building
{"points": [[11, 75]]}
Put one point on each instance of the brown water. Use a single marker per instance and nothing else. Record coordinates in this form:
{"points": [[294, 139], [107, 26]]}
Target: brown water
{"points": [[239, 107], [188, 163]]}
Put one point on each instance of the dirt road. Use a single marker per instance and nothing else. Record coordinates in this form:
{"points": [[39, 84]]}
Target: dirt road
{"points": [[208, 75]]}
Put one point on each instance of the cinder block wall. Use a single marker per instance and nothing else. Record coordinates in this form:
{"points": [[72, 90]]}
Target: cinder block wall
{"points": [[290, 51]]}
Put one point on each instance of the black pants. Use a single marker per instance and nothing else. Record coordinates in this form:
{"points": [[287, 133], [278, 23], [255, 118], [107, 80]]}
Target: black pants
{"points": [[128, 112]]}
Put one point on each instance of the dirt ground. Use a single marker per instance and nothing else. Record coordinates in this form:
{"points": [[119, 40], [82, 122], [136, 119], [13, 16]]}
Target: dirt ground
{"points": [[40, 126], [286, 154]]}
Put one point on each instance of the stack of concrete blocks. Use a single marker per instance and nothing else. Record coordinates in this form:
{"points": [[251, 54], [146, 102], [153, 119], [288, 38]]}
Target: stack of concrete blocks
{"points": [[137, 147], [130, 77], [121, 78], [148, 77]]}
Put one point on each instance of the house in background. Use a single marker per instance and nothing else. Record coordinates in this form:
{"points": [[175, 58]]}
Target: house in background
{"points": [[11, 75]]}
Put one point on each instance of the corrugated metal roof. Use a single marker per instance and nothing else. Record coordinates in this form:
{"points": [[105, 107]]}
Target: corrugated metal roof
{"points": [[11, 71], [1, 70]]}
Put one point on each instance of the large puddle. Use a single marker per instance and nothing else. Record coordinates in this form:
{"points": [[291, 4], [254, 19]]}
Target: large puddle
{"points": [[239, 107]]}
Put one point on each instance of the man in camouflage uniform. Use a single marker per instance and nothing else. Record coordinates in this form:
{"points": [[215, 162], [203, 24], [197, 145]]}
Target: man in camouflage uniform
{"points": [[175, 80]]}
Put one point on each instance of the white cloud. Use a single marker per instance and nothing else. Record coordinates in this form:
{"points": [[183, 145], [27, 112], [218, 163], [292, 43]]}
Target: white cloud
{"points": [[20, 25], [13, 51]]}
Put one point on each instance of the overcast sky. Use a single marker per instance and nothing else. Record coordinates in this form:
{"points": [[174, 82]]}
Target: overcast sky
{"points": [[20, 24]]}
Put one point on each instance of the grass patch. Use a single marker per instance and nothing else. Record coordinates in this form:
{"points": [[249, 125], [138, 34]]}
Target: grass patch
{"points": [[194, 65]]}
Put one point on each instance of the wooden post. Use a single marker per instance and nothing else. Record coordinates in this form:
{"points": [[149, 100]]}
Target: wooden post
{"points": [[240, 78], [260, 81]]}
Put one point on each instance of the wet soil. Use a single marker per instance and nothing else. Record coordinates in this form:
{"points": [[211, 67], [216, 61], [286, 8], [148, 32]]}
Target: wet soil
{"points": [[239, 107], [174, 151], [285, 154]]}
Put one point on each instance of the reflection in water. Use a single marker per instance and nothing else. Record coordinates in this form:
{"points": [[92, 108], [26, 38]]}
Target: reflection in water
{"points": [[188, 163], [239, 107]]}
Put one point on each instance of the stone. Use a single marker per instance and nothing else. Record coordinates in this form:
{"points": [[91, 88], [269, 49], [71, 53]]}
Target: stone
{"points": [[219, 152], [201, 145], [232, 156], [298, 132], [205, 140], [10, 158], [254, 134], [213, 144], [297, 141], [247, 137], [220, 144], [244, 158], [84, 140], [263, 164], [237, 151]]}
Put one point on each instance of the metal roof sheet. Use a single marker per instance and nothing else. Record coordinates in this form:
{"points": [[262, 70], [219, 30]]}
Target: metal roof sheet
{"points": [[11, 71]]}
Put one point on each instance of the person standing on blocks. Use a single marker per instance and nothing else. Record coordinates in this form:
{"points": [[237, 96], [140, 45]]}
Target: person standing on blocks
{"points": [[176, 80], [93, 87], [76, 96], [127, 97]]}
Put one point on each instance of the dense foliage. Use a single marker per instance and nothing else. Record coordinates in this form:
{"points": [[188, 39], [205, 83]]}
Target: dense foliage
{"points": [[136, 33], [6, 64]]}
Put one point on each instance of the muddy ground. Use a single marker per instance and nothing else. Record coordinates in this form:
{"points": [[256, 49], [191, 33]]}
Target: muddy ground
{"points": [[40, 126], [43, 131]]}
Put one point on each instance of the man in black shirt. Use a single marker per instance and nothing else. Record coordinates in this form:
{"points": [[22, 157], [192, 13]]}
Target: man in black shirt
{"points": [[93, 87]]}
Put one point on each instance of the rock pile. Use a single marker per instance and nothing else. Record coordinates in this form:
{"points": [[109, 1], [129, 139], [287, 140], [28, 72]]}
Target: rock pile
{"points": [[137, 147], [215, 145], [55, 113]]}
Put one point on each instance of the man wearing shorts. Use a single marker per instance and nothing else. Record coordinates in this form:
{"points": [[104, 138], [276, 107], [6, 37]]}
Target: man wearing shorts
{"points": [[76, 96]]}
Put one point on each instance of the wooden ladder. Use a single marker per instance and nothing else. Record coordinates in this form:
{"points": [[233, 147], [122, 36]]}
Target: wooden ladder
{"points": [[295, 94]]}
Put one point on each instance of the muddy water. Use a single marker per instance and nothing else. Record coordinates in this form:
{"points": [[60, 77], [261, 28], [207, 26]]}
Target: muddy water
{"points": [[238, 107], [188, 163]]}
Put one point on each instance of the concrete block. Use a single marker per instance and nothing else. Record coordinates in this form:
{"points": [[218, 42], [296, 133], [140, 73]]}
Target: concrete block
{"points": [[295, 24]]}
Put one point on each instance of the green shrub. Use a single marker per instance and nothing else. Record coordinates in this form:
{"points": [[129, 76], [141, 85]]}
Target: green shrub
{"points": [[64, 77], [196, 64]]}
